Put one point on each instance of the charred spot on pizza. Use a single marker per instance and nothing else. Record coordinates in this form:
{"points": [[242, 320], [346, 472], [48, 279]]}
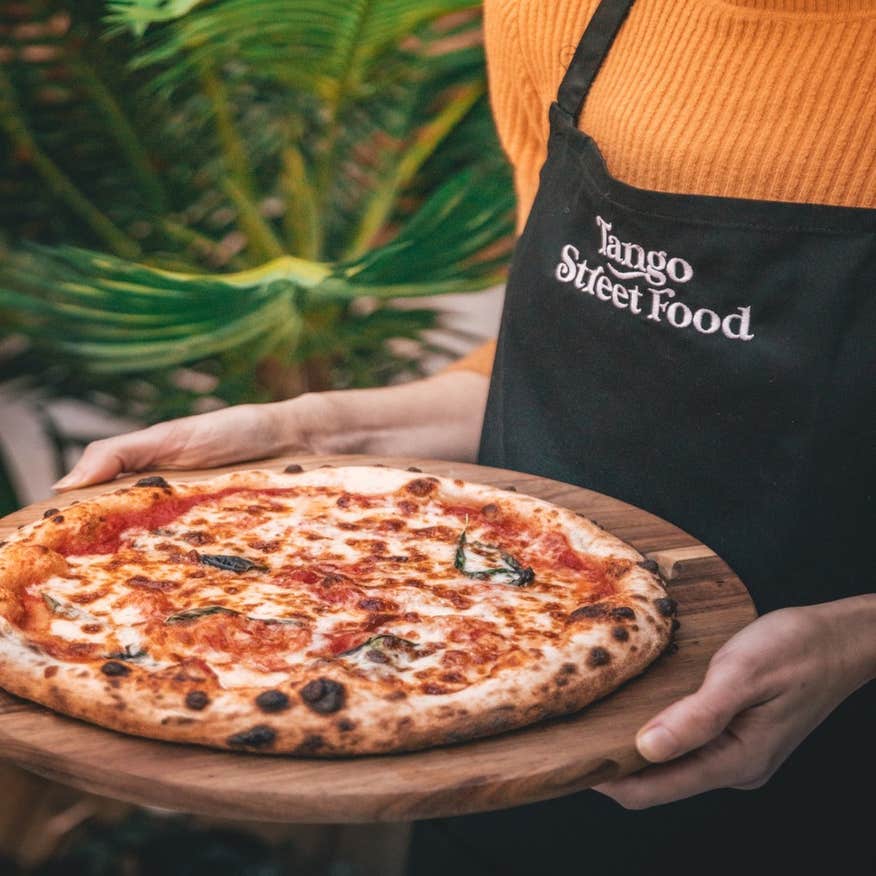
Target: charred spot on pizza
{"points": [[568, 669], [153, 481], [414, 469], [311, 743], [345, 725], [422, 487], [197, 538], [666, 606], [649, 566], [272, 701], [141, 582], [114, 668], [51, 512], [511, 489], [622, 612], [260, 736], [620, 634], [197, 700], [490, 511], [293, 468], [676, 623], [598, 657], [591, 612], [323, 695]]}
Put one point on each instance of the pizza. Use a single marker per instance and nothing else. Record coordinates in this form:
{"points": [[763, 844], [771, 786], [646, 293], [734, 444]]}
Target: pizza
{"points": [[335, 611]]}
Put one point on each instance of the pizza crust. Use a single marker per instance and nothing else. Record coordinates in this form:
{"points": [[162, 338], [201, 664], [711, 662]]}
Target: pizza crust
{"points": [[332, 710]]}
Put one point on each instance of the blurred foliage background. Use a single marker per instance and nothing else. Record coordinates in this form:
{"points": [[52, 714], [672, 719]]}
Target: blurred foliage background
{"points": [[204, 203]]}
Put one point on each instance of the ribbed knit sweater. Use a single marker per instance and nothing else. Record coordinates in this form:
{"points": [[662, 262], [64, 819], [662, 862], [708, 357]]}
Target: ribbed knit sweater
{"points": [[765, 99]]}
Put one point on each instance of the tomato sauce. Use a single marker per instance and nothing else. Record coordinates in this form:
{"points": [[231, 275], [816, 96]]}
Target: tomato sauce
{"points": [[105, 535]]}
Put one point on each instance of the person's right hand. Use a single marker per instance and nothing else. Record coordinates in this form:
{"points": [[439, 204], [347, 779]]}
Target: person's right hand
{"points": [[218, 438], [439, 417]]}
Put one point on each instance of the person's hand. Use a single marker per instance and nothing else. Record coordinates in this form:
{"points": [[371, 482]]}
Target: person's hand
{"points": [[220, 437], [440, 417], [770, 686]]}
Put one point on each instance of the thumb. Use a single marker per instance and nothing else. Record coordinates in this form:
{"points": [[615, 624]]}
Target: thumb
{"points": [[103, 460], [697, 719]]}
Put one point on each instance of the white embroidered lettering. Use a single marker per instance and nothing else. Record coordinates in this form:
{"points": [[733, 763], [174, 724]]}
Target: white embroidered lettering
{"points": [[568, 267], [626, 260], [658, 306], [736, 326]]}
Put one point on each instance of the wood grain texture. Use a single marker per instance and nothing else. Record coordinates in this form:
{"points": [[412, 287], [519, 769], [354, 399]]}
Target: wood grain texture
{"points": [[536, 763]]}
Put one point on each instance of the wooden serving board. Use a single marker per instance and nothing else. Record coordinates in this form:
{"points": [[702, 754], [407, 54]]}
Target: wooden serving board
{"points": [[546, 760]]}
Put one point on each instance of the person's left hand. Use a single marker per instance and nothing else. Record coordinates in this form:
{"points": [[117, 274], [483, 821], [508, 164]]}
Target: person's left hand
{"points": [[765, 690]]}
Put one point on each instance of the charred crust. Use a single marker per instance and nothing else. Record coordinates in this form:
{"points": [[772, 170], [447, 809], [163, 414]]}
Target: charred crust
{"points": [[649, 566], [568, 669], [293, 468], [594, 610], [666, 606], [511, 489], [197, 700], [153, 481], [58, 518], [676, 623], [323, 695], [598, 657], [113, 668], [310, 744], [622, 612], [272, 701], [414, 469], [345, 725], [620, 634], [421, 486], [260, 736], [50, 512]]}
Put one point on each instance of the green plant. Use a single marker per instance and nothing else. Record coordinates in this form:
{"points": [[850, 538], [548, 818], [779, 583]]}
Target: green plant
{"points": [[226, 198]]}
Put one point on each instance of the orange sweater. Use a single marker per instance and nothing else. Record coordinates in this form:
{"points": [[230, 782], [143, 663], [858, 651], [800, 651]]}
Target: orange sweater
{"points": [[766, 99]]}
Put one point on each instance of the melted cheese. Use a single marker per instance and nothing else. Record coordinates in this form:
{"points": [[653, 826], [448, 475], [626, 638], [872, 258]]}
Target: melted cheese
{"points": [[339, 570]]}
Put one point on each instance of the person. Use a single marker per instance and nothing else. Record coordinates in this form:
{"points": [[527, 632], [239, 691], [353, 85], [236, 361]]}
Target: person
{"points": [[688, 326]]}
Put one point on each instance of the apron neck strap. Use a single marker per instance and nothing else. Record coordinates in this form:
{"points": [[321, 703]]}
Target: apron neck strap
{"points": [[591, 52]]}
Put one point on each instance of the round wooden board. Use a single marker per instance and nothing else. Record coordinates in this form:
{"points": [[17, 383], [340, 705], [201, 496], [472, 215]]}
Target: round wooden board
{"points": [[546, 760]]}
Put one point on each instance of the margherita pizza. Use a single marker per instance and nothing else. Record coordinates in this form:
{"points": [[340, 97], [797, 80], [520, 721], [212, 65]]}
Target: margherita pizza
{"points": [[335, 611]]}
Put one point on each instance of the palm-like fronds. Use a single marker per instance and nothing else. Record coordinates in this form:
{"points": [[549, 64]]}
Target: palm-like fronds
{"points": [[316, 155]]}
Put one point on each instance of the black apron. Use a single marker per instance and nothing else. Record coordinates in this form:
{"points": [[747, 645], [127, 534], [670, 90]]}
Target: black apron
{"points": [[711, 360]]}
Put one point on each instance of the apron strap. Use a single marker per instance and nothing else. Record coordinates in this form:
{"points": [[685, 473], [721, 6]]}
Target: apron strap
{"points": [[591, 52]]}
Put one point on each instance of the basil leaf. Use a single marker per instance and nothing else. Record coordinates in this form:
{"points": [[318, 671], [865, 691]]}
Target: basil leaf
{"points": [[230, 563], [380, 641], [502, 567], [61, 608], [129, 653], [191, 614]]}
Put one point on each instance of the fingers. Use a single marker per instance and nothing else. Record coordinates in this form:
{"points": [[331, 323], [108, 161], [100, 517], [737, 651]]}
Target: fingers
{"points": [[104, 459], [726, 762], [727, 689]]}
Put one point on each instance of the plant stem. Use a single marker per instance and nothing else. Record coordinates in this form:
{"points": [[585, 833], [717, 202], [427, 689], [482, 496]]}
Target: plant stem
{"points": [[427, 139], [241, 186], [13, 123], [125, 135], [303, 230]]}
